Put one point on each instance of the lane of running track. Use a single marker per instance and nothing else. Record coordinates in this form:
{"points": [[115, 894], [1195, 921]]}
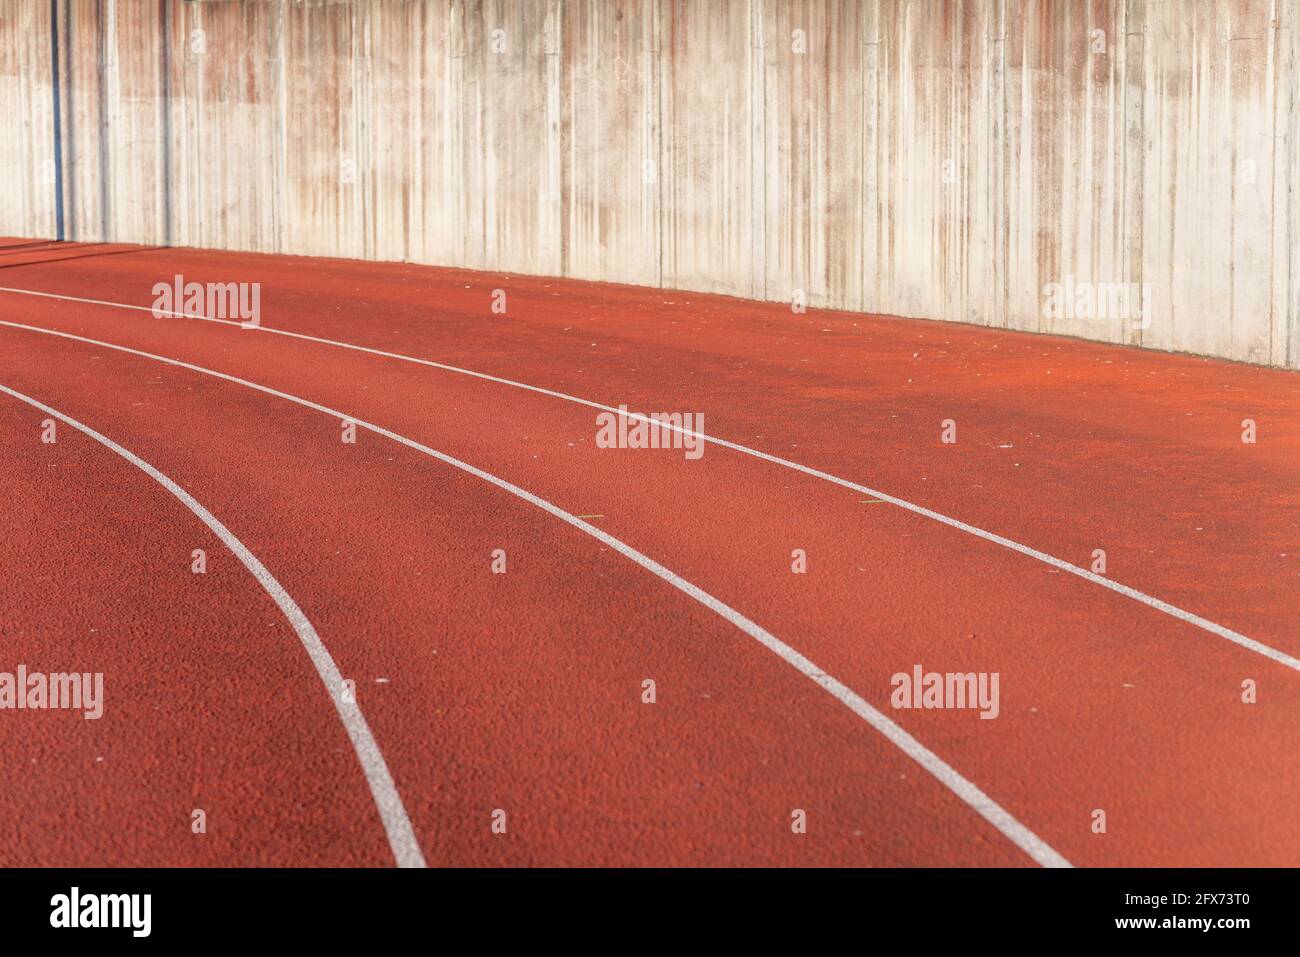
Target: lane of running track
{"points": [[1066, 446], [208, 702], [1116, 706], [520, 691]]}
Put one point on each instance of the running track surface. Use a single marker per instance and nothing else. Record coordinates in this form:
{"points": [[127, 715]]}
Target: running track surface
{"points": [[523, 692]]}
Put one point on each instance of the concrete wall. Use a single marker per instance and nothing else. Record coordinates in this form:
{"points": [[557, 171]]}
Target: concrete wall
{"points": [[939, 158]]}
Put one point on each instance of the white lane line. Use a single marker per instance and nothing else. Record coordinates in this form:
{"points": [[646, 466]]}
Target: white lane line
{"points": [[1236, 637], [401, 837], [949, 777]]}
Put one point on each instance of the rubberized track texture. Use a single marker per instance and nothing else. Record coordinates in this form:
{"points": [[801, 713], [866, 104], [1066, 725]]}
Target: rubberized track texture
{"points": [[437, 623]]}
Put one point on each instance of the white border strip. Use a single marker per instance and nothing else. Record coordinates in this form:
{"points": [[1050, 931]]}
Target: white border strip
{"points": [[401, 836], [949, 777], [1281, 657]]}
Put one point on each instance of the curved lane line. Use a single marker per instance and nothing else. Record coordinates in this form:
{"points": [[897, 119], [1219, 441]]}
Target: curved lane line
{"points": [[1236, 637], [1025, 839], [401, 837]]}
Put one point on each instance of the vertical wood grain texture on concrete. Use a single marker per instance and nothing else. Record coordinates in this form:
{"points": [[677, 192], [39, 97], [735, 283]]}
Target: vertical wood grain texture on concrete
{"points": [[945, 159]]}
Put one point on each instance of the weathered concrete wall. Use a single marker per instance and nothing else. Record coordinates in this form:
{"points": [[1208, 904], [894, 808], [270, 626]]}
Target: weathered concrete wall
{"points": [[942, 158]]}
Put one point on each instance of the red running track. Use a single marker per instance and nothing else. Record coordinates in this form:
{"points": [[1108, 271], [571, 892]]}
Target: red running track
{"points": [[523, 692]]}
